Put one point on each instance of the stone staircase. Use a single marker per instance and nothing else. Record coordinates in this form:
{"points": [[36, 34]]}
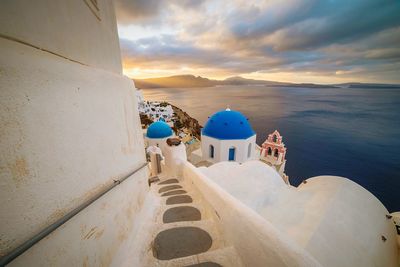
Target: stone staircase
{"points": [[185, 230]]}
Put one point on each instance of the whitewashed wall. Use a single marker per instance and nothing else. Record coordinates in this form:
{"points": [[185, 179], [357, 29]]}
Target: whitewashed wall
{"points": [[257, 242], [221, 149], [72, 29], [66, 130]]}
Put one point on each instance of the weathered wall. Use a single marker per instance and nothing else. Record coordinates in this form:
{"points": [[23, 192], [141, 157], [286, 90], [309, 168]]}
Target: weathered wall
{"points": [[73, 29], [107, 233], [66, 130]]}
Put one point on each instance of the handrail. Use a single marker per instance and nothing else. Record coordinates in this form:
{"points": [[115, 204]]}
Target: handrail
{"points": [[49, 229]]}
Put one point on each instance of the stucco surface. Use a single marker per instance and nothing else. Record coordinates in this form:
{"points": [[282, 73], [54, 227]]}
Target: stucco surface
{"points": [[256, 240], [67, 28], [336, 220], [67, 130], [101, 235]]}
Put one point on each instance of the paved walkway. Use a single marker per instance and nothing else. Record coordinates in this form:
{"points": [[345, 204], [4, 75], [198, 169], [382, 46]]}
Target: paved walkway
{"points": [[187, 235]]}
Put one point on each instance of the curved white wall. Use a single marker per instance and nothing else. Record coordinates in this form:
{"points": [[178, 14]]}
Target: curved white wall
{"points": [[334, 219], [257, 241]]}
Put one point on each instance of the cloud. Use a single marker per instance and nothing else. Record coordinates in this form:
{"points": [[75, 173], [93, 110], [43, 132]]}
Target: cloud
{"points": [[166, 49], [328, 38], [147, 11], [131, 11]]}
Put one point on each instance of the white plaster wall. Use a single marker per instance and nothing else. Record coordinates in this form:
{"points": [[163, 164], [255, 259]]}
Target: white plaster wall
{"points": [[264, 183], [173, 156], [66, 131], [221, 149], [334, 219], [156, 141], [110, 232], [257, 242], [68, 28], [340, 215]]}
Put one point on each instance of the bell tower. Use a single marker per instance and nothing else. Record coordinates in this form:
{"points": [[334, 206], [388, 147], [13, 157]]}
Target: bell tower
{"points": [[273, 152]]}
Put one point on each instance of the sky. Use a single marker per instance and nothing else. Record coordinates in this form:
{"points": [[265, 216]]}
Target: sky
{"points": [[327, 41]]}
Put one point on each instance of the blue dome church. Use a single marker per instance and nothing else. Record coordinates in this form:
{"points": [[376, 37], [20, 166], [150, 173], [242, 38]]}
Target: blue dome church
{"points": [[228, 136], [157, 133]]}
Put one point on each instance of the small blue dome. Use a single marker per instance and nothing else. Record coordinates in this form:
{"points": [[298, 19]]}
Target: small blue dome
{"points": [[227, 125], [159, 129]]}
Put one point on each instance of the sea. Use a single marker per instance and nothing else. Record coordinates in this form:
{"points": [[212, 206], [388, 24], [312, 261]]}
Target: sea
{"points": [[349, 132]]}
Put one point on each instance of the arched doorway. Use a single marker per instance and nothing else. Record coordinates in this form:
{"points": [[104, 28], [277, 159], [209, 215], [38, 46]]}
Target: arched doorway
{"points": [[269, 151], [249, 151]]}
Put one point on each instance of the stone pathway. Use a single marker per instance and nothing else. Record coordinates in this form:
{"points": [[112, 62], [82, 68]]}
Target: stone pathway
{"points": [[186, 236]]}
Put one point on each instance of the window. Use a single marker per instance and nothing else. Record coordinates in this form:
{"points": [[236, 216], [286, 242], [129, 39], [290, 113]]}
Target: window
{"points": [[232, 151], [276, 153], [211, 151], [269, 151], [275, 138], [249, 151]]}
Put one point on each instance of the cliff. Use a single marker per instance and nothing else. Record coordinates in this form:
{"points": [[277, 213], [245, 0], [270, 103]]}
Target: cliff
{"points": [[175, 82], [183, 120], [191, 81]]}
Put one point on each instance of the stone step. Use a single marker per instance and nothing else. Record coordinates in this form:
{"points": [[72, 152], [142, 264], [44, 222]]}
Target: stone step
{"points": [[180, 242], [167, 188], [174, 192], [205, 264], [179, 199], [168, 181], [207, 225], [204, 214], [226, 256], [181, 213]]}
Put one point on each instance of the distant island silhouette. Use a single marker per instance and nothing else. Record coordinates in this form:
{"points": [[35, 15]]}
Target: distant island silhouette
{"points": [[192, 81]]}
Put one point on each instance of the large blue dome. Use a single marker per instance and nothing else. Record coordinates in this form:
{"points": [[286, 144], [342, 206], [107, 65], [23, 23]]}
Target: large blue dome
{"points": [[159, 129], [227, 125]]}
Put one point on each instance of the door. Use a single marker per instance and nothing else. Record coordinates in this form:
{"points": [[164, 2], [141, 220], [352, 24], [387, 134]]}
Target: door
{"points": [[231, 154]]}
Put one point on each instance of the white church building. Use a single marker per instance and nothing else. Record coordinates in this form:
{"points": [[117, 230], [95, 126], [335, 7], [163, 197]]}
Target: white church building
{"points": [[157, 133], [228, 136]]}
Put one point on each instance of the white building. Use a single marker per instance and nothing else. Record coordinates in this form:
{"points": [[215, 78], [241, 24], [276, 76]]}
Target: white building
{"points": [[157, 111], [228, 136], [140, 100], [157, 133]]}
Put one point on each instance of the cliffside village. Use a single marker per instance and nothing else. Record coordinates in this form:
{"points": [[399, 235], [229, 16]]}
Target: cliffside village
{"points": [[189, 131]]}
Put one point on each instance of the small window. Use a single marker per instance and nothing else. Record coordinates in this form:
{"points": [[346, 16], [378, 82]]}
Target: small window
{"points": [[211, 151]]}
